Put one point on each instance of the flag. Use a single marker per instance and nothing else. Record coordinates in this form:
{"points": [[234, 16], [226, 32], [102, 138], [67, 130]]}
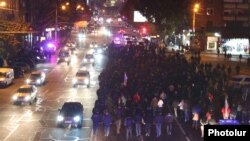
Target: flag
{"points": [[125, 79]]}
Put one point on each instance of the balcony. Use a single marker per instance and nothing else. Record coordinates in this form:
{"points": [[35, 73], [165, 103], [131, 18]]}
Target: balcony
{"points": [[230, 6], [243, 6], [241, 18], [229, 18]]}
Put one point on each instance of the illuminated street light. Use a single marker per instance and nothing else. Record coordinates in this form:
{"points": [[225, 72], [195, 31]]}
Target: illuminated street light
{"points": [[63, 7], [195, 10], [79, 7], [3, 4], [67, 3]]}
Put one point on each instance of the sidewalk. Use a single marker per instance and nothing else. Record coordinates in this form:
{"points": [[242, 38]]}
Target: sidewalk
{"points": [[214, 59]]}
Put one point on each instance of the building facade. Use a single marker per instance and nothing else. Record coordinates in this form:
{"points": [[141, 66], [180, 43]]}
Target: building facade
{"points": [[224, 25]]}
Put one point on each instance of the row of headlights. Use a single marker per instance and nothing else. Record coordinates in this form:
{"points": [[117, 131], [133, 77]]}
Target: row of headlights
{"points": [[86, 60], [37, 81], [60, 118], [27, 98], [91, 45], [75, 80]]}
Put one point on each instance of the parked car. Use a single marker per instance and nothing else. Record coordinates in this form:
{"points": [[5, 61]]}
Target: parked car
{"points": [[25, 94], [25, 59], [71, 113], [239, 81], [18, 71], [26, 68], [6, 76]]}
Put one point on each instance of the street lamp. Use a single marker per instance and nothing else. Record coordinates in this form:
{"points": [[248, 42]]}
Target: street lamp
{"points": [[195, 10], [56, 22], [3, 4]]}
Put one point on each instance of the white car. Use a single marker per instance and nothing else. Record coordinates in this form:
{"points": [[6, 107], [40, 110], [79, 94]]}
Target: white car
{"points": [[36, 78], [239, 81], [25, 94], [82, 77]]}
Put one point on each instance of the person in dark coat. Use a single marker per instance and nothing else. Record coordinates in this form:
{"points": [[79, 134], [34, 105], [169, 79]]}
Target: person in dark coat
{"points": [[107, 121], [128, 123], [169, 118], [158, 123], [96, 119]]}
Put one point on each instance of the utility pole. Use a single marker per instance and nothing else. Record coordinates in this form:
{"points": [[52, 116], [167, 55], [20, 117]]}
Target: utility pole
{"points": [[56, 23]]}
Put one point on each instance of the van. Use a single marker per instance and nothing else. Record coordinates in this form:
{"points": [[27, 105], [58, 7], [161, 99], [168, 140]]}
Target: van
{"points": [[6, 76]]}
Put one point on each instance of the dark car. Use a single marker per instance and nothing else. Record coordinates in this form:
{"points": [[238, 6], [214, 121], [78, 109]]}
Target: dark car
{"points": [[64, 56], [89, 59], [18, 71], [71, 113], [24, 59], [26, 68]]}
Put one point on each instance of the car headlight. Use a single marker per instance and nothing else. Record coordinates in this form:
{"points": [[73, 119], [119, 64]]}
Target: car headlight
{"points": [[60, 118], [91, 45], [96, 45], [58, 59], [38, 81], [86, 80], [28, 81], [77, 118], [27, 98], [14, 97], [74, 80], [66, 59], [91, 60], [84, 60]]}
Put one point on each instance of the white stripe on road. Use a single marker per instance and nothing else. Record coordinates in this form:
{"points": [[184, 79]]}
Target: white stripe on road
{"points": [[182, 130], [8, 136]]}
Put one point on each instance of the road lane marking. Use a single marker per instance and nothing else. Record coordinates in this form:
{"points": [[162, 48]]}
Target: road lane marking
{"points": [[179, 125], [8, 136]]}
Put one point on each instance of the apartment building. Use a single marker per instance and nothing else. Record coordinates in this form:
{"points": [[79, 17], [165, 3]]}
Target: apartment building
{"points": [[12, 9], [225, 25]]}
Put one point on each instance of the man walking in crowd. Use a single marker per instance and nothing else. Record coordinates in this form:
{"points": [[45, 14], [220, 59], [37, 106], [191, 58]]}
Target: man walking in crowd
{"points": [[107, 120], [169, 118], [128, 123], [158, 123]]}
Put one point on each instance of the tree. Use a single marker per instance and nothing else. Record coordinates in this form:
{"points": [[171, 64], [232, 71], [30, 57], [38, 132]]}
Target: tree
{"points": [[167, 15], [9, 35]]}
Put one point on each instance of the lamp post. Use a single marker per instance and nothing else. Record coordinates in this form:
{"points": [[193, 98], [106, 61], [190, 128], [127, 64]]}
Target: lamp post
{"points": [[195, 10], [3, 4], [56, 22]]}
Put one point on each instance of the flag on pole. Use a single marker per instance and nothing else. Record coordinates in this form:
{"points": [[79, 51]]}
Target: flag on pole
{"points": [[125, 79]]}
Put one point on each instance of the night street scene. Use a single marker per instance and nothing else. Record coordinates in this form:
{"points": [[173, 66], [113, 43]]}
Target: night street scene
{"points": [[122, 70]]}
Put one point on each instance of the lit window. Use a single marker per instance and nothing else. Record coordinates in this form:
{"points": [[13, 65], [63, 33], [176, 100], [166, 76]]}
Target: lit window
{"points": [[210, 11]]}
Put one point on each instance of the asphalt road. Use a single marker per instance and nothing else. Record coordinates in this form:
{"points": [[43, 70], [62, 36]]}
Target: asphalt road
{"points": [[37, 122]]}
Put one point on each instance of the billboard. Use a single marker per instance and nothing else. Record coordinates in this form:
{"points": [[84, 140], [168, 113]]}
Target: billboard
{"points": [[138, 17]]}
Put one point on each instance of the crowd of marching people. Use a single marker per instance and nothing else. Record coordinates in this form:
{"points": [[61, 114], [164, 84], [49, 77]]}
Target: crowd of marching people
{"points": [[143, 89]]}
